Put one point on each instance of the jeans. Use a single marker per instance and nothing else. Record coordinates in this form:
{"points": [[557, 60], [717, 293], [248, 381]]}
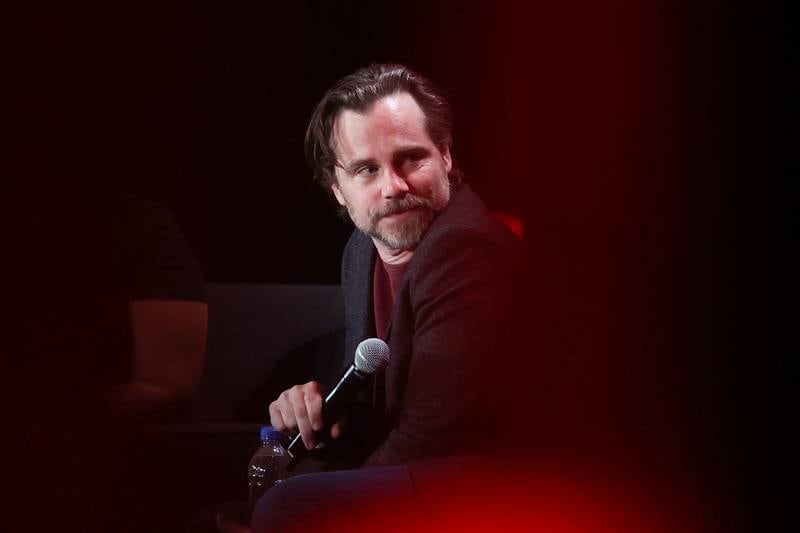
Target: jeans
{"points": [[332, 500]]}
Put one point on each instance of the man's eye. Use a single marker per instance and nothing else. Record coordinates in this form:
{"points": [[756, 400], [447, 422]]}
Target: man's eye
{"points": [[368, 170]]}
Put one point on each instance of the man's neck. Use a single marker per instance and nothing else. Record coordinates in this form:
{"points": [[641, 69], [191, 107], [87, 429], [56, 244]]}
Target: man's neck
{"points": [[391, 256]]}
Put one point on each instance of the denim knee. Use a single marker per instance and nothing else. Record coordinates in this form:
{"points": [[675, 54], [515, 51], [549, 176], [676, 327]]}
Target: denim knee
{"points": [[284, 507]]}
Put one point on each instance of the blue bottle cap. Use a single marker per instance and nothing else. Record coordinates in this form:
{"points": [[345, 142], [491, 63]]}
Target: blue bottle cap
{"points": [[270, 433]]}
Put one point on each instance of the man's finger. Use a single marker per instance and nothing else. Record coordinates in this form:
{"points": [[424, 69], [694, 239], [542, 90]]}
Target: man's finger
{"points": [[314, 407], [275, 418], [339, 427], [287, 402], [303, 424]]}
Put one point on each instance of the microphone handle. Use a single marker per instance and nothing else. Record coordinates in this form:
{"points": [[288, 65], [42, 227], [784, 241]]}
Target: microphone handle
{"points": [[335, 402]]}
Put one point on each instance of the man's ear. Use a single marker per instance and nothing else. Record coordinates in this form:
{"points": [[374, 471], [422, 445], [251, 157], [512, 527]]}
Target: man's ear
{"points": [[448, 161], [337, 192]]}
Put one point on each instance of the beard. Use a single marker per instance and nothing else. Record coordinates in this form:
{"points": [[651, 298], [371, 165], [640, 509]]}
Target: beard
{"points": [[405, 234]]}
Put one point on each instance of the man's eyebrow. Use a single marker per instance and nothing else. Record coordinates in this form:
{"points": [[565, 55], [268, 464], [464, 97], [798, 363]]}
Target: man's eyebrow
{"points": [[355, 164], [416, 150]]}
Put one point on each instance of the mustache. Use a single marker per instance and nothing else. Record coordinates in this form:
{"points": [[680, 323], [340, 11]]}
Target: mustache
{"points": [[409, 201]]}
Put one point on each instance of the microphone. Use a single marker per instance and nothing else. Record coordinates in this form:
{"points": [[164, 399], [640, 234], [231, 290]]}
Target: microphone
{"points": [[372, 356]]}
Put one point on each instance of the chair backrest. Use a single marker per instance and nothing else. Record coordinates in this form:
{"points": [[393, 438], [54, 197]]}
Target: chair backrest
{"points": [[252, 327]]}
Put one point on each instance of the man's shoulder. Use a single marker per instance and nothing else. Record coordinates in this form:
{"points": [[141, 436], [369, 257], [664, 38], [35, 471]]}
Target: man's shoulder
{"points": [[359, 244], [357, 258], [467, 221], [466, 245]]}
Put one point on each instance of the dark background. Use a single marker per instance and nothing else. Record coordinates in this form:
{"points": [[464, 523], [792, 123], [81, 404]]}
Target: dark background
{"points": [[599, 124], [596, 124]]}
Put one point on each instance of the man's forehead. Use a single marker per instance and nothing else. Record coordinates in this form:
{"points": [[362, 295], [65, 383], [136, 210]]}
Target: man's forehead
{"points": [[397, 115]]}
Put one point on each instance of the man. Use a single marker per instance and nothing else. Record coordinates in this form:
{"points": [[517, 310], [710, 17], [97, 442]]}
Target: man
{"points": [[428, 270]]}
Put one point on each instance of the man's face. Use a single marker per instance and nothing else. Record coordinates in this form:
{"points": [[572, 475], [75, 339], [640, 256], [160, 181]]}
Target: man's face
{"points": [[390, 176]]}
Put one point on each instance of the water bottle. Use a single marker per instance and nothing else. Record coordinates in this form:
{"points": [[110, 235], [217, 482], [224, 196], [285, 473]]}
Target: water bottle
{"points": [[268, 465]]}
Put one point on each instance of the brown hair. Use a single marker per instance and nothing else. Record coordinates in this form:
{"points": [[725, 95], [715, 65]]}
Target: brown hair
{"points": [[358, 92]]}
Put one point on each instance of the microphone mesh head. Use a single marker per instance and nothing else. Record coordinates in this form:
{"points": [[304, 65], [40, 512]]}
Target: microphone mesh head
{"points": [[372, 355]]}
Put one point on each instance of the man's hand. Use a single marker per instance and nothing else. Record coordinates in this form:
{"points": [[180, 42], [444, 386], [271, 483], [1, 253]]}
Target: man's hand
{"points": [[300, 409]]}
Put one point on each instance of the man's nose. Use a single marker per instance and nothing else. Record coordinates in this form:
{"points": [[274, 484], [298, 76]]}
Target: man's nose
{"points": [[394, 185]]}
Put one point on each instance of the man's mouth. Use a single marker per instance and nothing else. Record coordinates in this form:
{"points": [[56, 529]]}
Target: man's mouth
{"points": [[404, 213]]}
